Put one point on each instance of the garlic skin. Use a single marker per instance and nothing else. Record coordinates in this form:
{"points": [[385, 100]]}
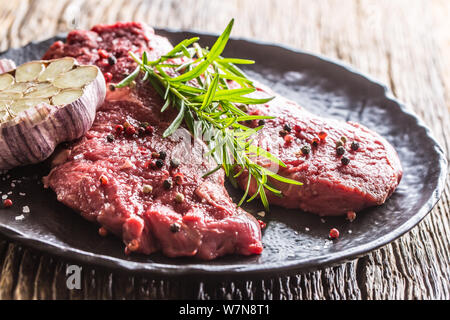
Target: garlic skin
{"points": [[33, 124]]}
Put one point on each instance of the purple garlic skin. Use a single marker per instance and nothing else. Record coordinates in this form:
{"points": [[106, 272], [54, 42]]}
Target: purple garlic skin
{"points": [[33, 134]]}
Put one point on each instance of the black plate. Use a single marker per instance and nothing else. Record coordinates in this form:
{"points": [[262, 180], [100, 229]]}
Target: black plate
{"points": [[293, 240]]}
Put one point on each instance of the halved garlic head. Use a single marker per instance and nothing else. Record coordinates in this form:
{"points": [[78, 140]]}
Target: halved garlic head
{"points": [[54, 82], [44, 103]]}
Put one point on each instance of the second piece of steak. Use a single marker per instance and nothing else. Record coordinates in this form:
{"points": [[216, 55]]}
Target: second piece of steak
{"points": [[343, 166]]}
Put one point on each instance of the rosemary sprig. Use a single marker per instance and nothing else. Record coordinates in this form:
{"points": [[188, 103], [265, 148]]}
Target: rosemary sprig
{"points": [[193, 80]]}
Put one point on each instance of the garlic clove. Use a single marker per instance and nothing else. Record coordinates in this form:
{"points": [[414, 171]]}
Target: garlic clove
{"points": [[6, 80], [20, 87], [29, 71], [10, 95], [76, 78], [66, 96], [24, 104], [42, 90], [55, 68]]}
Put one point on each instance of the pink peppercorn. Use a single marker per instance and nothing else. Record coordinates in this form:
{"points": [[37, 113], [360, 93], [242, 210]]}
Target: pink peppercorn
{"points": [[103, 54], [130, 130], [334, 233], [119, 128], [102, 231], [322, 135], [351, 215], [103, 180], [7, 203], [288, 138], [108, 76], [262, 224]]}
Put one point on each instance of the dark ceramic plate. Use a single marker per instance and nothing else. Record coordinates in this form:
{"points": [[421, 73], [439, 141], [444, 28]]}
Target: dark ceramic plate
{"points": [[293, 240]]}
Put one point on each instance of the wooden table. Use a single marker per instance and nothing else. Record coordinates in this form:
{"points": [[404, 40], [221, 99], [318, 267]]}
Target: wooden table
{"points": [[405, 44]]}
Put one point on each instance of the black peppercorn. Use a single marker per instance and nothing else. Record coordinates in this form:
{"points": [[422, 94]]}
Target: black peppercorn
{"points": [[355, 146], [112, 87], [159, 163], [167, 184], [162, 155], [174, 162], [287, 128], [112, 60], [283, 133], [345, 161], [306, 149], [339, 144], [315, 143], [110, 138], [175, 227], [141, 131], [243, 107], [261, 122], [340, 150]]}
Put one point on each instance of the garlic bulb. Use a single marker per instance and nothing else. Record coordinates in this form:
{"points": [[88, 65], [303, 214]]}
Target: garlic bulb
{"points": [[43, 103]]}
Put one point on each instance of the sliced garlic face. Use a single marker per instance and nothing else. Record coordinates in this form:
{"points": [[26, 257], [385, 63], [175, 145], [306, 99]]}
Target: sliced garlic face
{"points": [[67, 96], [56, 82], [20, 87], [42, 90], [55, 68], [5, 113], [76, 78], [10, 95], [24, 104], [6, 81], [29, 71]]}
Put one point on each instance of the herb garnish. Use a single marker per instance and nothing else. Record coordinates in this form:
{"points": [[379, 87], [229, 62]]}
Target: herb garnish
{"points": [[193, 80]]}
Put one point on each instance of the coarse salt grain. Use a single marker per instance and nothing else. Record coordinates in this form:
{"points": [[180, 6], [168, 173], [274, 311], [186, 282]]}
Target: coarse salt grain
{"points": [[21, 217], [4, 197], [26, 209], [22, 194]]}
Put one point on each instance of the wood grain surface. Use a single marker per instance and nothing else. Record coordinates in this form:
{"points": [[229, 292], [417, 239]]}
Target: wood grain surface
{"points": [[405, 44]]}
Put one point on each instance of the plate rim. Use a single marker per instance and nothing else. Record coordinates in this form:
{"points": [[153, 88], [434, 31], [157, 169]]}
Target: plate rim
{"points": [[244, 270]]}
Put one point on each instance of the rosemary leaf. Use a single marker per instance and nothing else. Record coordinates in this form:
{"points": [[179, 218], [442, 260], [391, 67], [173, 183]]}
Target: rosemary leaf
{"points": [[198, 84]]}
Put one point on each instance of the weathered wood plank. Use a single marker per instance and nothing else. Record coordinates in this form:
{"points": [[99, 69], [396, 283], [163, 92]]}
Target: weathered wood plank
{"points": [[403, 44]]}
